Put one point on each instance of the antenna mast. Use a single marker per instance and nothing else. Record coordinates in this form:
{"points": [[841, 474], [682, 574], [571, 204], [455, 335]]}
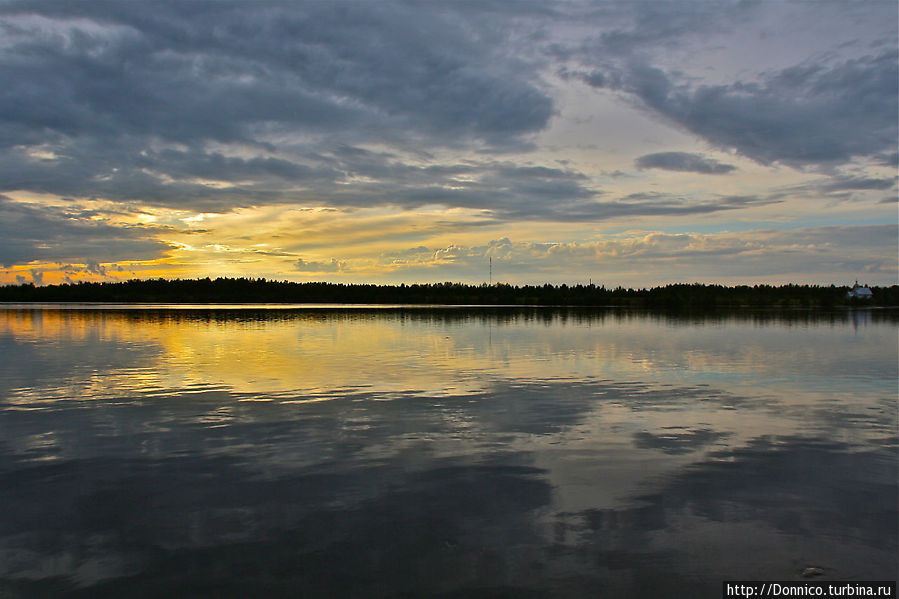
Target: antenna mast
{"points": [[491, 271]]}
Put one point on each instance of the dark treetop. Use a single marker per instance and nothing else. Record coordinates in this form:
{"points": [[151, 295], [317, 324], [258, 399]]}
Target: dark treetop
{"points": [[242, 290]]}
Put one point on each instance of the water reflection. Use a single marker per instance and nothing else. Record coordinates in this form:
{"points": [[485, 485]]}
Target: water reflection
{"points": [[441, 452]]}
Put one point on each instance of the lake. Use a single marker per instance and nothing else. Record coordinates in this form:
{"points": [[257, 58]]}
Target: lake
{"points": [[162, 451]]}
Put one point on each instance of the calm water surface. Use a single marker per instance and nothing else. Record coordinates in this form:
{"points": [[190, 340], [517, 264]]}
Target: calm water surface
{"points": [[436, 452]]}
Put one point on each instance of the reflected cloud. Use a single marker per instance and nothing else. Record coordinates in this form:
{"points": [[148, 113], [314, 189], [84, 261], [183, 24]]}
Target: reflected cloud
{"points": [[804, 499], [510, 453], [678, 442]]}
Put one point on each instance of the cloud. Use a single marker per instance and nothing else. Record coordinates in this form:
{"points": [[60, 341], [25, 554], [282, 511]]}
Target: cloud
{"points": [[297, 94], [677, 441], [30, 232], [840, 187], [211, 106], [809, 253], [506, 191], [857, 184], [308, 266], [732, 487], [94, 268], [802, 116], [685, 162], [217, 105], [889, 159], [387, 70]]}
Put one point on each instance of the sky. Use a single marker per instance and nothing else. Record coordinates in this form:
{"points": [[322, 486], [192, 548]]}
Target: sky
{"points": [[619, 143]]}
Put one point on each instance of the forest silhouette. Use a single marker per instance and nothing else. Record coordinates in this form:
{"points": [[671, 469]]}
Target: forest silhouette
{"points": [[253, 290]]}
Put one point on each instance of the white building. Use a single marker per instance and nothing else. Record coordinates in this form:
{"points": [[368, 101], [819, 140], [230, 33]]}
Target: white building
{"points": [[860, 291]]}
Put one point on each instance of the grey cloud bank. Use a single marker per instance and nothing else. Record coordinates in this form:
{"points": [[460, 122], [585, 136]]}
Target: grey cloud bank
{"points": [[122, 100], [101, 86]]}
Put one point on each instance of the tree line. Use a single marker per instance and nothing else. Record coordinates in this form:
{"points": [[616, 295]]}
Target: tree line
{"points": [[257, 290]]}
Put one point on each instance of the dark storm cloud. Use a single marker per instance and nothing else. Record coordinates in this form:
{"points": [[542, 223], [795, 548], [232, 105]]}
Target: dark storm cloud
{"points": [[162, 104], [803, 116], [191, 72], [29, 232], [683, 161]]}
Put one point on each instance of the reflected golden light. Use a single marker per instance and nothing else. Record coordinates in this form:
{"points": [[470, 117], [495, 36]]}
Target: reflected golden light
{"points": [[310, 352], [629, 376]]}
